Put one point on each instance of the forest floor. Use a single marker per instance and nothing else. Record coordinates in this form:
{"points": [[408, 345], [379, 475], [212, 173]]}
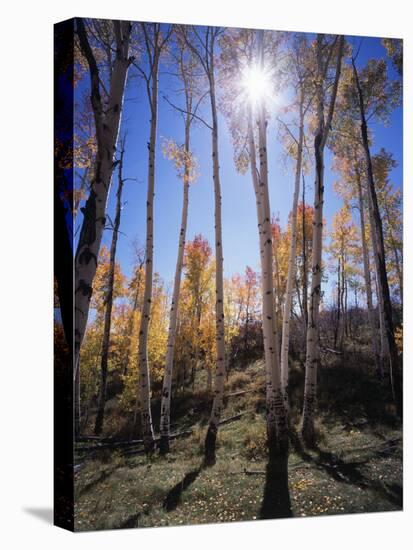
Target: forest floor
{"points": [[356, 466]]}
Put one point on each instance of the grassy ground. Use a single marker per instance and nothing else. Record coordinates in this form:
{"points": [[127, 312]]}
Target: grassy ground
{"points": [[357, 466]]}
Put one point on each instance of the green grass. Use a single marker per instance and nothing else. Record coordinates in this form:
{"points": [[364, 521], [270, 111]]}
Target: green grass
{"points": [[357, 468]]}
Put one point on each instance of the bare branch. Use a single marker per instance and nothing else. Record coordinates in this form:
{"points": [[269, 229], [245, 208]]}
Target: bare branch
{"points": [[193, 115], [287, 128]]}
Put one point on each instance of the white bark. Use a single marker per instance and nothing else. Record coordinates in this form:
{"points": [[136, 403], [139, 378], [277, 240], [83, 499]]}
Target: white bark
{"points": [[338, 324], [154, 45], [395, 250], [313, 314], [218, 402], [206, 56], [276, 413], [379, 293], [267, 332], [167, 381], [395, 375], [109, 303], [320, 140], [367, 279], [107, 123], [292, 267], [277, 429], [304, 267], [342, 327], [144, 376]]}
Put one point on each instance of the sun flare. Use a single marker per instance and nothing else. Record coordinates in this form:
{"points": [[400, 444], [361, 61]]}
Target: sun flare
{"points": [[256, 84]]}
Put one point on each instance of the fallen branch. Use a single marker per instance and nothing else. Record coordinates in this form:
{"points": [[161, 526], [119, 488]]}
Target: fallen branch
{"points": [[110, 445], [241, 392], [329, 350], [133, 443], [88, 438], [235, 417], [298, 466], [383, 447], [128, 446]]}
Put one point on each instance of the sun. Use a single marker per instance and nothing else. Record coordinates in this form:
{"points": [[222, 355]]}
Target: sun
{"points": [[256, 84]]}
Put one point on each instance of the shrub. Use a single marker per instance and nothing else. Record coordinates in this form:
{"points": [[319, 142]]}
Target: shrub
{"points": [[255, 441], [238, 380]]}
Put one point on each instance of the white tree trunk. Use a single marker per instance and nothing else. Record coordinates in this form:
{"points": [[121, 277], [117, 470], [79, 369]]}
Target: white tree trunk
{"points": [[399, 270], [144, 376], [292, 267], [313, 314], [267, 331], [107, 123], [218, 402], [337, 327], [107, 128], [304, 269], [277, 429], [379, 293], [367, 280], [395, 250], [167, 381], [312, 356], [342, 327], [109, 303], [395, 375]]}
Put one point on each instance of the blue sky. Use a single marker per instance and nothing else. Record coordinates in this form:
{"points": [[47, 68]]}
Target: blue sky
{"points": [[238, 203]]}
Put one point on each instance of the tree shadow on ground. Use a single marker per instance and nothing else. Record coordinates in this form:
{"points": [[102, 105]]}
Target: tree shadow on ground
{"points": [[171, 501], [362, 396], [99, 479], [276, 501], [348, 472], [131, 522], [173, 497]]}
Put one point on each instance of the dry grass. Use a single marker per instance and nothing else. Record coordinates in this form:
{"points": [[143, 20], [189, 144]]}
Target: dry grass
{"points": [[352, 471], [238, 381]]}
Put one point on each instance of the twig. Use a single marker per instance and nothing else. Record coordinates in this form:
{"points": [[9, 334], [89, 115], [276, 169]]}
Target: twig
{"points": [[235, 417], [193, 115], [329, 350]]}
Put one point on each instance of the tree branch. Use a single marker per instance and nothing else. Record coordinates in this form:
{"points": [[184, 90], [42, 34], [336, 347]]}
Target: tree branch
{"points": [[193, 115], [287, 128]]}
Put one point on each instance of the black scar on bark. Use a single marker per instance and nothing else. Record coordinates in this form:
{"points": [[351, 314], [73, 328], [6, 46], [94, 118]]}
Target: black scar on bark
{"points": [[86, 256], [88, 232], [85, 288]]}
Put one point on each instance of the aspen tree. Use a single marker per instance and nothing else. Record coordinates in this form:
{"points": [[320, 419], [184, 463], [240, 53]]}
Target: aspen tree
{"points": [[153, 43], [377, 230], [107, 116], [109, 300], [300, 83], [186, 167], [203, 44], [323, 128], [248, 123]]}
